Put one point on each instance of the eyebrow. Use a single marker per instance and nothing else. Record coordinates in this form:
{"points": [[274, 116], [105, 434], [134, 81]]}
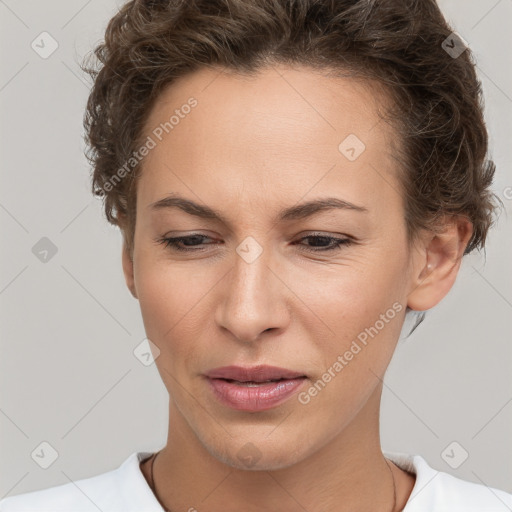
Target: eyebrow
{"points": [[296, 212]]}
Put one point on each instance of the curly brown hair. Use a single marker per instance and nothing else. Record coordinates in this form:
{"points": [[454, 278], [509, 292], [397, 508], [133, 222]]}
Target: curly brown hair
{"points": [[403, 45]]}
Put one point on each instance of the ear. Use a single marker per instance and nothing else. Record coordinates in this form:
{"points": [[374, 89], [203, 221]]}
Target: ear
{"points": [[128, 270], [437, 263]]}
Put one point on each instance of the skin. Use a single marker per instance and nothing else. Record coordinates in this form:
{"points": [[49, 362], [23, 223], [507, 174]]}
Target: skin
{"points": [[251, 147]]}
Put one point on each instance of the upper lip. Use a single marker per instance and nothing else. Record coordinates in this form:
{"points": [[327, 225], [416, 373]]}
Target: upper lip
{"points": [[259, 373]]}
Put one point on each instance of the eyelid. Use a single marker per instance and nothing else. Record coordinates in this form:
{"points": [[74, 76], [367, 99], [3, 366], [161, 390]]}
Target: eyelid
{"points": [[337, 242], [303, 234]]}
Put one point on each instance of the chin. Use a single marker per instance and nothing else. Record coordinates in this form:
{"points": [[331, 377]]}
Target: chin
{"points": [[257, 454]]}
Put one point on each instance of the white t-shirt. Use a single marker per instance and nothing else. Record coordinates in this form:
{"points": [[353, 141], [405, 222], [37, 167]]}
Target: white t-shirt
{"points": [[125, 490]]}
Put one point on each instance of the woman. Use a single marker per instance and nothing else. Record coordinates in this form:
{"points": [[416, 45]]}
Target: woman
{"points": [[291, 178]]}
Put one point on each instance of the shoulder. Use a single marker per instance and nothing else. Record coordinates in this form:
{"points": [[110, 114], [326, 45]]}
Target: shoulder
{"points": [[120, 490], [438, 491]]}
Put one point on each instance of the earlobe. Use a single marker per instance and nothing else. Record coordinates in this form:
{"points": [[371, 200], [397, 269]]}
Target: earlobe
{"points": [[128, 271], [439, 264]]}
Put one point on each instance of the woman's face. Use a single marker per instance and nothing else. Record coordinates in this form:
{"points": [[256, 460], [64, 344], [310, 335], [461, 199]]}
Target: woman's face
{"points": [[254, 289]]}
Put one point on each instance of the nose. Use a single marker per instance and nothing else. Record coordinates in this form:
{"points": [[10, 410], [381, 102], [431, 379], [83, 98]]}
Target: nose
{"points": [[253, 299]]}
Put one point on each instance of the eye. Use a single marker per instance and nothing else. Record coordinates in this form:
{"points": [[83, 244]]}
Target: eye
{"points": [[333, 243], [191, 243]]}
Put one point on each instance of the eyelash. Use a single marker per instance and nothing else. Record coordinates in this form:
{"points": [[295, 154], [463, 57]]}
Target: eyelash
{"points": [[172, 242]]}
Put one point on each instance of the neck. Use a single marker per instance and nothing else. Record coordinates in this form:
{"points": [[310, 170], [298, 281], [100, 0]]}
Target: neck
{"points": [[348, 473]]}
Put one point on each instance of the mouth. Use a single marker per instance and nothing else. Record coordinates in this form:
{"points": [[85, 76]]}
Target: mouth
{"points": [[252, 383], [257, 374], [254, 389]]}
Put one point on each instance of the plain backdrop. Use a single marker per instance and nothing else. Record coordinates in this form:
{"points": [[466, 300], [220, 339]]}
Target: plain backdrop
{"points": [[68, 374]]}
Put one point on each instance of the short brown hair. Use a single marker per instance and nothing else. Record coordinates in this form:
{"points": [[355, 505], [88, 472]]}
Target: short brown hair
{"points": [[437, 98]]}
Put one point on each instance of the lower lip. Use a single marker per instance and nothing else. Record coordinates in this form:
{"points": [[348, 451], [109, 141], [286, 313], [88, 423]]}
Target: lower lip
{"points": [[254, 398]]}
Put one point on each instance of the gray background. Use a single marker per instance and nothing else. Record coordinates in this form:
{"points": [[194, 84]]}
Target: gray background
{"points": [[69, 326]]}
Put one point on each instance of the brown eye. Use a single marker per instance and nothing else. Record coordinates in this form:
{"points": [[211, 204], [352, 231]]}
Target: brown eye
{"points": [[325, 243], [183, 243]]}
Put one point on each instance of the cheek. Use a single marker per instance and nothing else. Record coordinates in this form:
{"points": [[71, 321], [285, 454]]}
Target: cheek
{"points": [[351, 296], [162, 294], [172, 302], [361, 308]]}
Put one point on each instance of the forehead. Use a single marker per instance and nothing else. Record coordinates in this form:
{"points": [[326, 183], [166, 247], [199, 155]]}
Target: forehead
{"points": [[285, 131]]}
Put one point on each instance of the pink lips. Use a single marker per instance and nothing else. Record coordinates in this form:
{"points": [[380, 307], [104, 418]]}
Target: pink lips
{"points": [[247, 389]]}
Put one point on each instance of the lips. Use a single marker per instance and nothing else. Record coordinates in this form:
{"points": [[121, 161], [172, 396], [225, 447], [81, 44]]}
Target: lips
{"points": [[256, 374], [254, 389]]}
